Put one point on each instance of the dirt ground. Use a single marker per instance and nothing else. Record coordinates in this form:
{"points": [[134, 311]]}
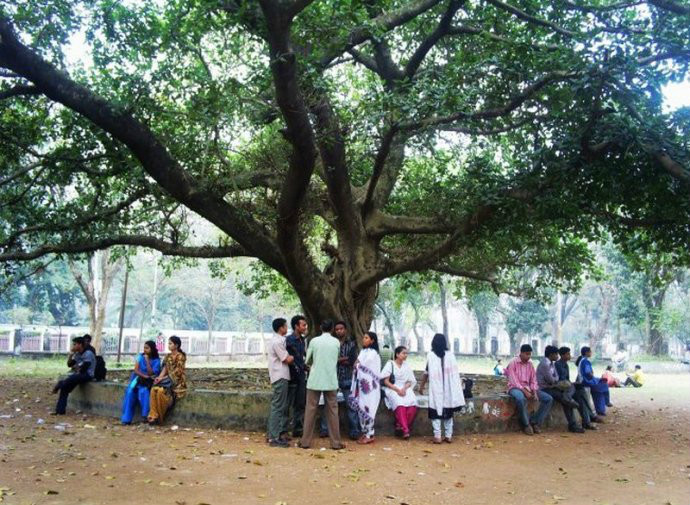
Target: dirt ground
{"points": [[640, 456]]}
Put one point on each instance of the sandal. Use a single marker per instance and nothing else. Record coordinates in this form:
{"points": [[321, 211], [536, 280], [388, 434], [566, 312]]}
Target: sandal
{"points": [[437, 440]]}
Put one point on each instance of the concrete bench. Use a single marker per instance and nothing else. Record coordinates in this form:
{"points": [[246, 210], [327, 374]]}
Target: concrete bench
{"points": [[242, 410]]}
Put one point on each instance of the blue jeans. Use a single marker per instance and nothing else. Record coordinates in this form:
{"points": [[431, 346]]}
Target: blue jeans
{"points": [[545, 402], [352, 418]]}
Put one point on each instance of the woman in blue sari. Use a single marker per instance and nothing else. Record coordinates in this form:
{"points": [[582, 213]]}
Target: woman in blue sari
{"points": [[598, 386], [146, 367]]}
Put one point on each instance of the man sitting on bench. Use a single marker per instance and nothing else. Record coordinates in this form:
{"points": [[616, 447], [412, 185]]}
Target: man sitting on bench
{"points": [[83, 364]]}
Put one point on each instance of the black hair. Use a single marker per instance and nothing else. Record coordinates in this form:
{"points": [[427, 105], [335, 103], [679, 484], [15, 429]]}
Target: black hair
{"points": [[176, 340], [373, 336], [585, 350], [609, 367], [438, 345], [87, 337], [340, 322], [638, 367], [525, 348], [78, 340], [295, 321], [154, 349], [498, 360], [327, 326], [398, 350], [549, 350], [564, 350], [278, 323], [577, 361]]}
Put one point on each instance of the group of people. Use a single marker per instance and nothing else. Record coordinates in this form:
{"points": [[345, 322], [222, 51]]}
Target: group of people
{"points": [[331, 367], [155, 384]]}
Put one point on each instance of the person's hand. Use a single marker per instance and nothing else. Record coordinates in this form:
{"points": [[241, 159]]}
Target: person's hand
{"points": [[156, 380], [400, 391]]}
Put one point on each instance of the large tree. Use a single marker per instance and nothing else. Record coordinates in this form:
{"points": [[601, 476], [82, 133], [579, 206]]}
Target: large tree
{"points": [[343, 143]]}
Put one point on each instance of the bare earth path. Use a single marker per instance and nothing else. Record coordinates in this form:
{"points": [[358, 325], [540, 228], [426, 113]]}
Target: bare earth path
{"points": [[641, 456]]}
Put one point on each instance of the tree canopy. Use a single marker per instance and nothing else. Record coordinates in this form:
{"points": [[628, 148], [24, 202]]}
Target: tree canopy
{"points": [[343, 143]]}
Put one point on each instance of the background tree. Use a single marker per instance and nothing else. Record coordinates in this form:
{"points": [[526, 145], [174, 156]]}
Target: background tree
{"points": [[483, 303], [344, 143], [526, 317]]}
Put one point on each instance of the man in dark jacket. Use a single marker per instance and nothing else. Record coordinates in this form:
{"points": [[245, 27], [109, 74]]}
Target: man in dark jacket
{"points": [[297, 387], [83, 364]]}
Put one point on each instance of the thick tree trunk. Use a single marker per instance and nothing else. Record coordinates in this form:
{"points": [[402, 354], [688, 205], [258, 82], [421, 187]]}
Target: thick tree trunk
{"points": [[512, 337], [655, 338], [483, 328]]}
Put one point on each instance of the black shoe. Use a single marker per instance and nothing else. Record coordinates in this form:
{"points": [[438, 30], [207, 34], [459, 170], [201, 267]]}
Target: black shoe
{"points": [[536, 429], [609, 404], [279, 443], [576, 429], [590, 427]]}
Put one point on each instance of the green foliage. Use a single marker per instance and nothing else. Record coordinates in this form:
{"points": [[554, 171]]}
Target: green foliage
{"points": [[527, 316]]}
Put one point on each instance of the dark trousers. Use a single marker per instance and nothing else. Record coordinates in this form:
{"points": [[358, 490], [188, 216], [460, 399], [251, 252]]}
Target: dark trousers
{"points": [[66, 386], [632, 382], [563, 398], [297, 400], [583, 406], [277, 417]]}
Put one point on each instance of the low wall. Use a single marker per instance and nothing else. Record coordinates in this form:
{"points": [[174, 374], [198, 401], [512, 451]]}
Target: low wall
{"points": [[248, 410]]}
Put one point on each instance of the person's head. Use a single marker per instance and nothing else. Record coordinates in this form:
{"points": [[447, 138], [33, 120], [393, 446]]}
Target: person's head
{"points": [[400, 353], [370, 341], [551, 352], [175, 344], [525, 353], [638, 367], [438, 345], [279, 326], [564, 353], [87, 340], [586, 352], [78, 344], [609, 368], [299, 324], [327, 326], [340, 329], [499, 361], [150, 349]]}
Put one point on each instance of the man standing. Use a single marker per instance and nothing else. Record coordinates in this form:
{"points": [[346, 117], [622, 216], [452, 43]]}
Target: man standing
{"points": [[346, 360], [563, 371], [83, 365], [322, 355], [279, 374], [547, 379], [522, 386], [297, 388]]}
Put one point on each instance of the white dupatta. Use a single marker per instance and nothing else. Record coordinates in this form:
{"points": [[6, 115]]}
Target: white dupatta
{"points": [[444, 383], [365, 392]]}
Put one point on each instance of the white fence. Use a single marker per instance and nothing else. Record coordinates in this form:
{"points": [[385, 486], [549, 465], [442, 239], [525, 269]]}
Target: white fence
{"points": [[54, 339]]}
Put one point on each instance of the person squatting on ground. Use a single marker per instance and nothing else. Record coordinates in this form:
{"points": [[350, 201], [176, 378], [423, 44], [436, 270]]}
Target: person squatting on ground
{"points": [[399, 381], [522, 386], [636, 378], [82, 363], [146, 368], [365, 393], [445, 391], [171, 385]]}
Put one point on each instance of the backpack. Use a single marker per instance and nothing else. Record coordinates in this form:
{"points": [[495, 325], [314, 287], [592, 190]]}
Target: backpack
{"points": [[101, 371]]}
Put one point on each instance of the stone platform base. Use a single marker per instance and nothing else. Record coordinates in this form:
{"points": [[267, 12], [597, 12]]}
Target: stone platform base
{"points": [[240, 410]]}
